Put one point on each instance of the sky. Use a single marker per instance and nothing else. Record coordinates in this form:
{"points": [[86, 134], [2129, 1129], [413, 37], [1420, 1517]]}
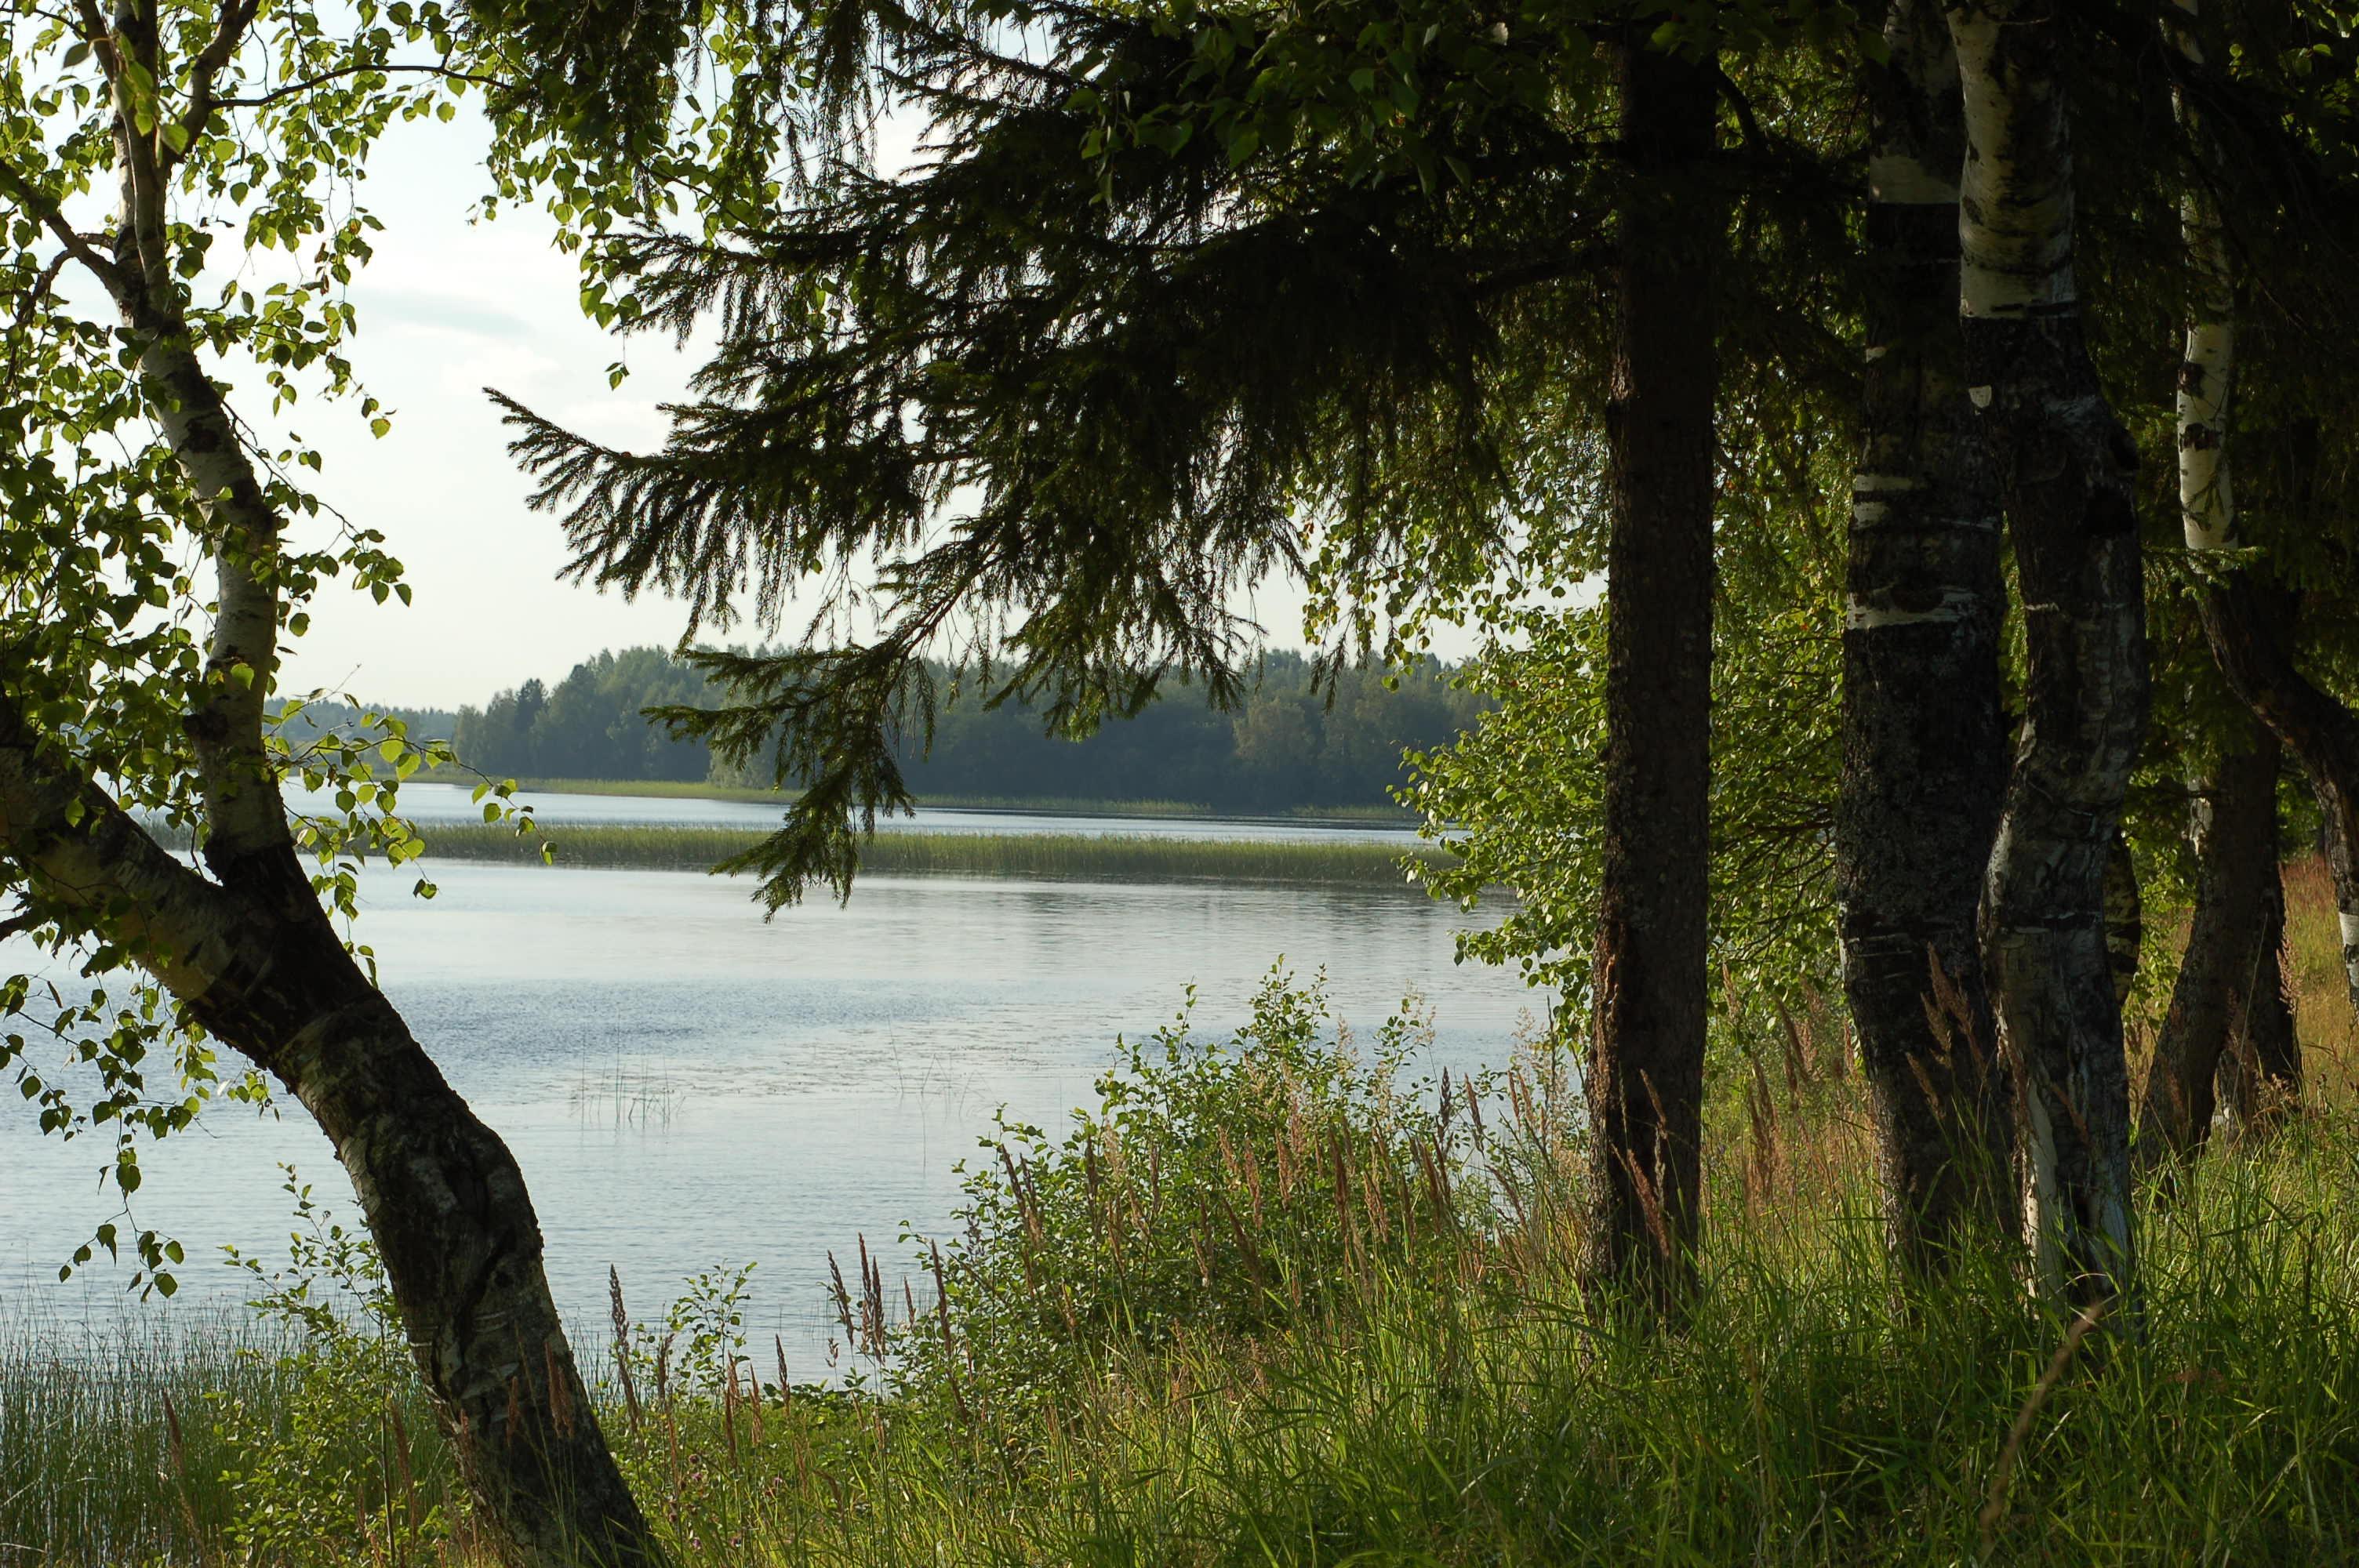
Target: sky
{"points": [[447, 308]]}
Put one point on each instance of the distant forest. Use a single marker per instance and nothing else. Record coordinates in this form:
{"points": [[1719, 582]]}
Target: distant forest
{"points": [[1288, 747]]}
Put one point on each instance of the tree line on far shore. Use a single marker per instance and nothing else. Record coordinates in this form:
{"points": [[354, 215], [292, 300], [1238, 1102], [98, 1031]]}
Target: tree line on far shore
{"points": [[1292, 743]]}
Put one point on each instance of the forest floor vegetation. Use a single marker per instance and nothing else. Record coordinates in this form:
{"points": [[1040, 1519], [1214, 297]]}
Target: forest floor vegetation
{"points": [[1280, 1299]]}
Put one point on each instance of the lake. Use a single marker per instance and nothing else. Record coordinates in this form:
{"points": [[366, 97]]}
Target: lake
{"points": [[687, 1086]]}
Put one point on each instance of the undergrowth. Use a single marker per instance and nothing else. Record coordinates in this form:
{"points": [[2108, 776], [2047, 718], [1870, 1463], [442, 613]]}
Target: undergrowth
{"points": [[1276, 1299]]}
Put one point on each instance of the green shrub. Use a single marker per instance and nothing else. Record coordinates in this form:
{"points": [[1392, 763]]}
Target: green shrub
{"points": [[1220, 1190]]}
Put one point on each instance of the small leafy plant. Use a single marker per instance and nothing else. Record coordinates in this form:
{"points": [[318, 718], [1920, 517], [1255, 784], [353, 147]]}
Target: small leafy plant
{"points": [[348, 1441]]}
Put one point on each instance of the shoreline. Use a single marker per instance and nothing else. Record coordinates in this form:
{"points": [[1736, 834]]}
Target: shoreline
{"points": [[1031, 806], [1069, 857]]}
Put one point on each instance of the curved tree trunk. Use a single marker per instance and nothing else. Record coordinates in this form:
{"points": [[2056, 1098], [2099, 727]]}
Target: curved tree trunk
{"points": [[1646, 1075], [447, 1208], [2249, 627], [2230, 943], [259, 964], [255, 959], [2229, 1021], [1924, 736], [2065, 467], [2248, 623]]}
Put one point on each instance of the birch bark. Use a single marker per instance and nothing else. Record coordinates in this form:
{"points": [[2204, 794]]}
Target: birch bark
{"points": [[1924, 737], [263, 969], [2065, 467], [249, 949], [2248, 626], [1645, 1076]]}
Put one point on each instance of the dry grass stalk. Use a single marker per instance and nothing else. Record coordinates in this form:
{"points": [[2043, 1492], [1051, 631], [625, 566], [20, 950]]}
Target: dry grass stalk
{"points": [[2003, 1475], [621, 1320]]}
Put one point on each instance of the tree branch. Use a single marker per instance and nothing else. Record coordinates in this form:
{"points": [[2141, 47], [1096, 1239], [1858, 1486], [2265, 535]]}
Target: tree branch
{"points": [[202, 72], [84, 854], [292, 88], [29, 197]]}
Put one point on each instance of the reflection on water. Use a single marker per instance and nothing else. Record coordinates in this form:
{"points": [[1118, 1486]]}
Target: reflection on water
{"points": [[685, 1084]]}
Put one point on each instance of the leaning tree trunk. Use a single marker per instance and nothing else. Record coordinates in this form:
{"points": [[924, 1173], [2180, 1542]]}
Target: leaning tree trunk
{"points": [[2249, 625], [1646, 1075], [2228, 1000], [1924, 734], [258, 964], [447, 1208], [253, 958], [2235, 832], [2065, 468]]}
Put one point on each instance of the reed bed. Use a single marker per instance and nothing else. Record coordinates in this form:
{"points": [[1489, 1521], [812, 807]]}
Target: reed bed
{"points": [[1037, 805], [141, 1443], [1071, 857]]}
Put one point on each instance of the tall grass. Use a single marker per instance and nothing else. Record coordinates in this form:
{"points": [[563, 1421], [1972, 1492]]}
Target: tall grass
{"points": [[151, 1442], [1060, 856], [1270, 1304]]}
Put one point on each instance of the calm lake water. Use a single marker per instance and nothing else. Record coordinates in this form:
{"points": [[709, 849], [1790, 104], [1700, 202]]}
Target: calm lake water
{"points": [[687, 1086]]}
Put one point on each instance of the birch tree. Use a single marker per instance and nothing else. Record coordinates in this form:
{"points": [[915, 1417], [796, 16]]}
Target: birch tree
{"points": [[1924, 735], [2249, 615], [2229, 968], [158, 550], [2065, 467]]}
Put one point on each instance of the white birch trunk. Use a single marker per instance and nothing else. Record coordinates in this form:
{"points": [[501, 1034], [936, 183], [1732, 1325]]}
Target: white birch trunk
{"points": [[1924, 731], [2065, 469], [2207, 506]]}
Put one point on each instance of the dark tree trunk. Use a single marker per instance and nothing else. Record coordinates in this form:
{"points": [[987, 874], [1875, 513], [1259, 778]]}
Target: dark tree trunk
{"points": [[2250, 627], [1924, 737], [1646, 1075], [2259, 1067], [2260, 1077], [2230, 942], [2065, 468], [2124, 918]]}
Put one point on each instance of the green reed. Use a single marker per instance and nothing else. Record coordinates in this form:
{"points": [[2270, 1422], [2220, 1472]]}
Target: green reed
{"points": [[1044, 804], [1127, 857]]}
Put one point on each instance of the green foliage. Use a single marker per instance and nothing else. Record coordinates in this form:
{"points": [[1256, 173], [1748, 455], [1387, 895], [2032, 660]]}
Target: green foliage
{"points": [[1103, 358], [1453, 1403], [710, 1310], [1296, 742], [334, 1453], [592, 726], [131, 147], [1517, 803], [1219, 1192]]}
